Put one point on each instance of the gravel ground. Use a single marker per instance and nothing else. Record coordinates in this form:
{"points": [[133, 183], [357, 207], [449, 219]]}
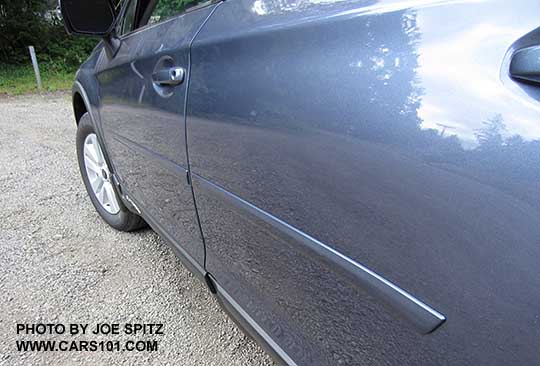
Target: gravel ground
{"points": [[59, 263]]}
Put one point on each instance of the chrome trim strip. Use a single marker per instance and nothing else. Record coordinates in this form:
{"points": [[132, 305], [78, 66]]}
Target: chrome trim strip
{"points": [[422, 316]]}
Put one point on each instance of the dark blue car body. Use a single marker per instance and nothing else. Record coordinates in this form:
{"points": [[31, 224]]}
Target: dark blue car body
{"points": [[358, 182]]}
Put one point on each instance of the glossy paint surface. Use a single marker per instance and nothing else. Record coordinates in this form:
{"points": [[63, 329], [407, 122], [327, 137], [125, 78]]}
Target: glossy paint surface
{"points": [[143, 124], [389, 131]]}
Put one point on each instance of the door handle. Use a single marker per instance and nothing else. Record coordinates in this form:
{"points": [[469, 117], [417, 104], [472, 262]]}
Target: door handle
{"points": [[169, 76], [525, 65]]}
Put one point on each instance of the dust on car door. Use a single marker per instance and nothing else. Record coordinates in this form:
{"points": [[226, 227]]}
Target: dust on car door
{"points": [[330, 140], [143, 90]]}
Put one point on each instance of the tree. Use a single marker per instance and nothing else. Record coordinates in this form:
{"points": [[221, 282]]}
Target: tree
{"points": [[489, 137], [38, 23], [21, 24], [166, 8]]}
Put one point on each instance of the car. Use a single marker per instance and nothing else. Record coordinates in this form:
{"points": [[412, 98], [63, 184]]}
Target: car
{"points": [[356, 181]]}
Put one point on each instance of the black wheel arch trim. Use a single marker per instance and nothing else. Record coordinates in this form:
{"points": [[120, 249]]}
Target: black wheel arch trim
{"points": [[79, 91]]}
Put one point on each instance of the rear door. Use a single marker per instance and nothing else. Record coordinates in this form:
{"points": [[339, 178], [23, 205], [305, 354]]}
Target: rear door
{"points": [[143, 89], [366, 169]]}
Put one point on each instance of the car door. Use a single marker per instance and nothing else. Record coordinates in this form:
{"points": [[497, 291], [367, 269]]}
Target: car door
{"points": [[367, 175], [143, 90]]}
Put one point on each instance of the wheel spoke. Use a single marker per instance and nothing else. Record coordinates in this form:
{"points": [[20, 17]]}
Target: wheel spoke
{"points": [[95, 183], [90, 147], [111, 195], [99, 185], [99, 154], [90, 164], [101, 194]]}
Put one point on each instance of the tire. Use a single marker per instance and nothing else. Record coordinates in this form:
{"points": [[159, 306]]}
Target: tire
{"points": [[101, 190]]}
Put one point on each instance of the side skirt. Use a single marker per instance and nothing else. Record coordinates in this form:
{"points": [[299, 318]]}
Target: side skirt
{"points": [[250, 327]]}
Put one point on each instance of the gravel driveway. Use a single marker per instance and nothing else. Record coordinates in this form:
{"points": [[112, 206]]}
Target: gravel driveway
{"points": [[59, 263]]}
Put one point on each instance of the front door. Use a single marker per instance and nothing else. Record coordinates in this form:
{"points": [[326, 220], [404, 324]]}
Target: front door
{"points": [[143, 90]]}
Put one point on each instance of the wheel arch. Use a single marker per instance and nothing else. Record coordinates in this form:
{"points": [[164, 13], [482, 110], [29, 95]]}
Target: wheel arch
{"points": [[81, 102], [79, 106]]}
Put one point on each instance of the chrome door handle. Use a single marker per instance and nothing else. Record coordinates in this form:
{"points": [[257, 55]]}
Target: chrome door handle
{"points": [[170, 76], [525, 65]]}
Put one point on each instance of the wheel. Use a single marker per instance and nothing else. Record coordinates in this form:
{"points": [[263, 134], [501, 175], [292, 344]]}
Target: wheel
{"points": [[97, 178]]}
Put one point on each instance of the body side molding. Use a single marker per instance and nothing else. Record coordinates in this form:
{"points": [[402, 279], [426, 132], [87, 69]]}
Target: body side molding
{"points": [[422, 316]]}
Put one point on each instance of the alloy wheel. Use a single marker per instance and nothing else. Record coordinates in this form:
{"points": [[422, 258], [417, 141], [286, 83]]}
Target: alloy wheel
{"points": [[99, 175]]}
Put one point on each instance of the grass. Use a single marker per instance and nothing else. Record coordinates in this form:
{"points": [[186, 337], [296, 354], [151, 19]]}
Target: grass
{"points": [[20, 79]]}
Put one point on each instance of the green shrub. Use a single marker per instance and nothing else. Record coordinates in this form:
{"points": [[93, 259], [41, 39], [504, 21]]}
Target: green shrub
{"points": [[20, 79]]}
